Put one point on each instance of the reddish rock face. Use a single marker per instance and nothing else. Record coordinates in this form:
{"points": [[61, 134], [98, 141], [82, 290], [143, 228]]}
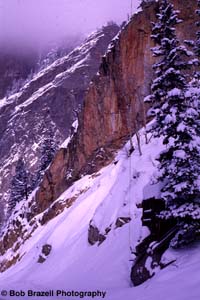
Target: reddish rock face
{"points": [[113, 106]]}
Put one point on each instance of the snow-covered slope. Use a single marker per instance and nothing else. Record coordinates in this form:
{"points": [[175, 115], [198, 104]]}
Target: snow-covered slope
{"points": [[73, 264]]}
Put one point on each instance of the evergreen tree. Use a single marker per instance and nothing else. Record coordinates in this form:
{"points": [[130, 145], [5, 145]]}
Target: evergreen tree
{"points": [[168, 67], [48, 150], [20, 187], [175, 108]]}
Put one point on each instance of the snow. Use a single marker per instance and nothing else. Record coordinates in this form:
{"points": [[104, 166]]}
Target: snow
{"points": [[179, 281], [174, 92], [148, 264], [75, 125], [180, 154], [65, 143], [192, 91], [181, 127], [3, 102], [68, 139], [152, 190], [115, 191], [6, 101], [185, 210]]}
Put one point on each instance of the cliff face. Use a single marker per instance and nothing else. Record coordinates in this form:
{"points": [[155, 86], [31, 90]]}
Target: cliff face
{"points": [[113, 106], [49, 99]]}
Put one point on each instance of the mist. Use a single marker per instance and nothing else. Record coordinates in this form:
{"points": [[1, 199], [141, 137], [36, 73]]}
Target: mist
{"points": [[39, 24]]}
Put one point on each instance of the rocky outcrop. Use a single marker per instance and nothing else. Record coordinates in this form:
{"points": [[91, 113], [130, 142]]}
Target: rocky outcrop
{"points": [[113, 106], [46, 250], [95, 236], [121, 221]]}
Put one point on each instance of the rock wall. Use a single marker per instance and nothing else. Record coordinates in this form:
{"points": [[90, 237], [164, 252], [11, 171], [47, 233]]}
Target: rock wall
{"points": [[113, 106], [49, 99]]}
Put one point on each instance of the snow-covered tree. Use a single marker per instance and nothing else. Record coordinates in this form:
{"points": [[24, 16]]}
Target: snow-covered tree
{"points": [[48, 150], [175, 108], [169, 64], [20, 186], [179, 166]]}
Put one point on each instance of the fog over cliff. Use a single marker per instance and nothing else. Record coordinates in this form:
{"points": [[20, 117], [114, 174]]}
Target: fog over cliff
{"points": [[42, 23]]}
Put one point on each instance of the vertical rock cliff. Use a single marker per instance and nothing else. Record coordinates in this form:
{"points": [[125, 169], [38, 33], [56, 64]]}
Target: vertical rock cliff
{"points": [[113, 106], [49, 99]]}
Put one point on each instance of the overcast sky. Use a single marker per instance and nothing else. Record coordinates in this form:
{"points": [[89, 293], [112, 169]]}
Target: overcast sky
{"points": [[41, 22]]}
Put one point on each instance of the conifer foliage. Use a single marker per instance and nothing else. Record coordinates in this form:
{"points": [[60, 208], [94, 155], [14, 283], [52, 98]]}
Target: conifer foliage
{"points": [[169, 65], [23, 182], [20, 185], [48, 150], [175, 108]]}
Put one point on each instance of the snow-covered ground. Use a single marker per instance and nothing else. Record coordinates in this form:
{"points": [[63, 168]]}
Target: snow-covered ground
{"points": [[73, 264]]}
